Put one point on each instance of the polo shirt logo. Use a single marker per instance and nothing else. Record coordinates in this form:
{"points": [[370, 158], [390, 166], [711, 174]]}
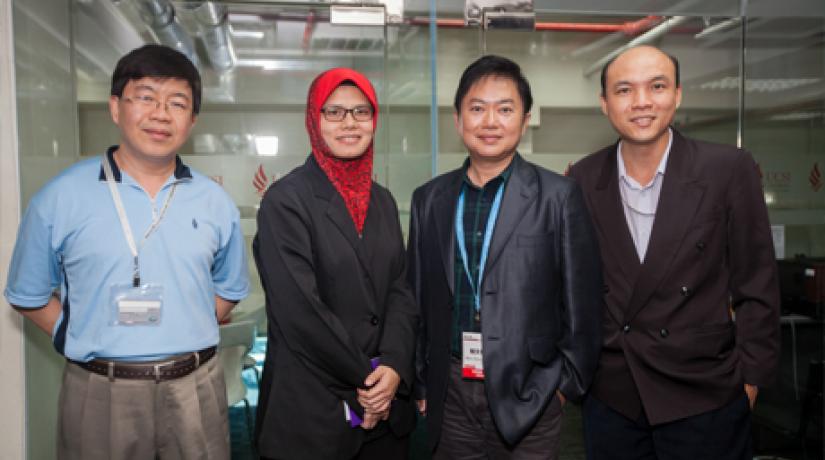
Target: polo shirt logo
{"points": [[194, 223]]}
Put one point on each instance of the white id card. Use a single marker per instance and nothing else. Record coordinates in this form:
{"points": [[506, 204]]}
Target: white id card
{"points": [[472, 362], [136, 306]]}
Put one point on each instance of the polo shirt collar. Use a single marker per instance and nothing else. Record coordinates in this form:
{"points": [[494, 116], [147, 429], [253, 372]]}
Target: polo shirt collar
{"points": [[181, 170]]}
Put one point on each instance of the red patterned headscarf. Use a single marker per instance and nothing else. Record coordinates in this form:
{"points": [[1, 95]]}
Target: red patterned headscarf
{"points": [[353, 177]]}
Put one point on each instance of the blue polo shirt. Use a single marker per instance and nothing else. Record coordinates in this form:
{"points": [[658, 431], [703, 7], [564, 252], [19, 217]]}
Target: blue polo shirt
{"points": [[71, 240]]}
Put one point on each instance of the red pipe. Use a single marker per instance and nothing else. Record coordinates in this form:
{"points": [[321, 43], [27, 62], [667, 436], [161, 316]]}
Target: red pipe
{"points": [[308, 28], [629, 28]]}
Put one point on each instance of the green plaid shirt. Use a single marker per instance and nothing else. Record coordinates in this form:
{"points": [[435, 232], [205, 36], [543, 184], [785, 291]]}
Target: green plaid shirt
{"points": [[477, 205]]}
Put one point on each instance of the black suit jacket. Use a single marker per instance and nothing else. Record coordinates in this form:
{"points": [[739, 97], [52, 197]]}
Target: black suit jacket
{"points": [[541, 299], [333, 300], [671, 346]]}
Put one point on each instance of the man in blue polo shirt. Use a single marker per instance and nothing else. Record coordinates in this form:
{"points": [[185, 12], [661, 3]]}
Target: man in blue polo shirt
{"points": [[128, 261]]}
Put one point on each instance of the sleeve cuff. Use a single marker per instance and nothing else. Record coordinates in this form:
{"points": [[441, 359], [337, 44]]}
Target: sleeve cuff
{"points": [[25, 301]]}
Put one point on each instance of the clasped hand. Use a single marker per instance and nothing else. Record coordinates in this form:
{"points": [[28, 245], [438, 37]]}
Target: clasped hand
{"points": [[381, 385]]}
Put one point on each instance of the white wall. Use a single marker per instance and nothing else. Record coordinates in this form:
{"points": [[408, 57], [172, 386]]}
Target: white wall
{"points": [[12, 388]]}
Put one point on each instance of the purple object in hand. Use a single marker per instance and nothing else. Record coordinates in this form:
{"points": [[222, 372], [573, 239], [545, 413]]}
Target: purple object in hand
{"points": [[354, 420]]}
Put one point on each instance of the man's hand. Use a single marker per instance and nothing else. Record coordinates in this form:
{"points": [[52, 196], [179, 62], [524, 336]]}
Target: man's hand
{"points": [[751, 391], [372, 418], [381, 386], [422, 406], [561, 397]]}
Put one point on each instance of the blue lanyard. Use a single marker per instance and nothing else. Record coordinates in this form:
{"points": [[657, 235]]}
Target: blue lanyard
{"points": [[485, 248]]}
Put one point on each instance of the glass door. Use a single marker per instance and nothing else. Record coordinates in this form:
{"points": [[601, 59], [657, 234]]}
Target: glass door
{"points": [[257, 60]]}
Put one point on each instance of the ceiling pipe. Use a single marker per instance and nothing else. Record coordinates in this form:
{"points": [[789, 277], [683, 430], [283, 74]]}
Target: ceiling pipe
{"points": [[306, 41], [159, 15], [719, 27], [213, 27], [629, 28], [642, 39], [603, 42]]}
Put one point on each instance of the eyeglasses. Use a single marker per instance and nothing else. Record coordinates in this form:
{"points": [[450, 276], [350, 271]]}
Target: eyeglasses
{"points": [[148, 102], [338, 113]]}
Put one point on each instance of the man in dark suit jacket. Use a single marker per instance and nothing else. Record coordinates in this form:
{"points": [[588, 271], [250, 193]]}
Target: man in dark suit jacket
{"points": [[504, 265], [692, 322]]}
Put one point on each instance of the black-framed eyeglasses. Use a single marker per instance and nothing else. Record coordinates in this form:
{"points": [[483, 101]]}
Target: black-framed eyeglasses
{"points": [[338, 113]]}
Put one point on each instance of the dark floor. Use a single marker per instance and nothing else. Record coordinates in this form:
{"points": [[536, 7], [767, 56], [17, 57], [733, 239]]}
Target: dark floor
{"points": [[770, 443], [571, 448]]}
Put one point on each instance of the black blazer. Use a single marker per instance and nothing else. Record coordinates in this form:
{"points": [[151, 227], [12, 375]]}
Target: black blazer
{"points": [[333, 300], [671, 346], [541, 299]]}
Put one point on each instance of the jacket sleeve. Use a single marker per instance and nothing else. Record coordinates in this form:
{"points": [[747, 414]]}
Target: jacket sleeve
{"points": [[397, 348], [582, 290], [309, 327], [414, 278], [754, 285]]}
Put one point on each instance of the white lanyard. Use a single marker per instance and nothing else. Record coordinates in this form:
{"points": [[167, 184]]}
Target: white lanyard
{"points": [[485, 247], [124, 221]]}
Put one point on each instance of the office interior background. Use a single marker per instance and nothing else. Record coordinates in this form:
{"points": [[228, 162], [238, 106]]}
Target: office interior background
{"points": [[753, 74]]}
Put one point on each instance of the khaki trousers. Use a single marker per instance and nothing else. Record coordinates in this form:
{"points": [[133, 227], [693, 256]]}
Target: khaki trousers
{"points": [[124, 419]]}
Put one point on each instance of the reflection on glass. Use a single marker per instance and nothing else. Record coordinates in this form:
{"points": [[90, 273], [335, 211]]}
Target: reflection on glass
{"points": [[64, 57]]}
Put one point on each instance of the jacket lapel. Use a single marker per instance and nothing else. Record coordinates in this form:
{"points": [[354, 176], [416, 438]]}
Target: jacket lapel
{"points": [[609, 211], [336, 211], [612, 224], [519, 193], [444, 215], [679, 200]]}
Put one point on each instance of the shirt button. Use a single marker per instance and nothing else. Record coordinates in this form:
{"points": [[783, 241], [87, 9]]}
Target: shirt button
{"points": [[374, 320], [700, 245], [626, 328], [664, 333], [685, 291], [478, 234]]}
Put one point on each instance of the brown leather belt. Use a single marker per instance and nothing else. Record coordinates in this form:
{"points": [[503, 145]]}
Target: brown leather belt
{"points": [[169, 369]]}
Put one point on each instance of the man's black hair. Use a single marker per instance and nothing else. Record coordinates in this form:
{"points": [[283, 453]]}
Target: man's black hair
{"points": [[160, 62], [498, 66], [604, 69]]}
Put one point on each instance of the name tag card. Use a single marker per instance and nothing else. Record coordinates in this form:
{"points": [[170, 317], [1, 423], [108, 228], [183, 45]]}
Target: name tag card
{"points": [[137, 306], [472, 360]]}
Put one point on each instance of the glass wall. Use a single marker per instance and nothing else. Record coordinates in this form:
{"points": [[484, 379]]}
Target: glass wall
{"points": [[784, 128], [251, 130], [564, 65], [47, 139]]}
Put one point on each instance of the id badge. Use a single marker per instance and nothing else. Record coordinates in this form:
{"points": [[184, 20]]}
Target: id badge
{"points": [[136, 306], [472, 362]]}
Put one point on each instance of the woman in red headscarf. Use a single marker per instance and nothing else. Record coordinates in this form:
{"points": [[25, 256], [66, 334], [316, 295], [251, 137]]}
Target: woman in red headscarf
{"points": [[342, 320]]}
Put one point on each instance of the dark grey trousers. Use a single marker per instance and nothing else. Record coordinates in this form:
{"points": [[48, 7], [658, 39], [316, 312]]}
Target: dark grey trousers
{"points": [[469, 433]]}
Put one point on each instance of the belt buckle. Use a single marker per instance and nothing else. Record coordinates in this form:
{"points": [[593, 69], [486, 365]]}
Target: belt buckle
{"points": [[157, 369]]}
